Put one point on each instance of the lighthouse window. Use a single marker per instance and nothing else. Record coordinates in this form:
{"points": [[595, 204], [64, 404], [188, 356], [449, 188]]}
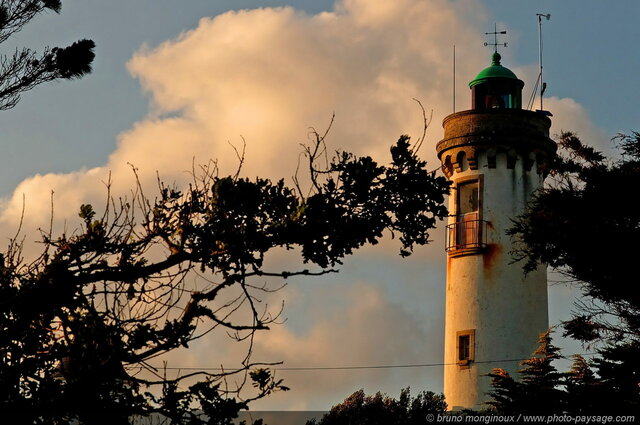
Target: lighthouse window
{"points": [[466, 234], [496, 94], [468, 197], [465, 346]]}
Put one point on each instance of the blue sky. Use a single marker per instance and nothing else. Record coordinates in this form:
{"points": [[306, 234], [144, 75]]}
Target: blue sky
{"points": [[71, 133]]}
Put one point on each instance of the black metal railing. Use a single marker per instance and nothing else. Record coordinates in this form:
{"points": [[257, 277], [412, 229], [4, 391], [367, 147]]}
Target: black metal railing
{"points": [[466, 235]]}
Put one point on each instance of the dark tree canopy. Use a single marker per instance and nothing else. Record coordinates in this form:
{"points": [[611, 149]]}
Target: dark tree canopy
{"points": [[586, 225], [81, 325], [380, 409], [537, 390], [25, 68], [604, 385]]}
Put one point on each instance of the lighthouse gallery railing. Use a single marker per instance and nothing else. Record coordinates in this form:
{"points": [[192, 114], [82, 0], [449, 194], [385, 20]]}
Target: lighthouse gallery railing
{"points": [[466, 235]]}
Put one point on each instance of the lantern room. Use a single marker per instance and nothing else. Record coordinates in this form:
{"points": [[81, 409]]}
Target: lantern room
{"points": [[496, 87]]}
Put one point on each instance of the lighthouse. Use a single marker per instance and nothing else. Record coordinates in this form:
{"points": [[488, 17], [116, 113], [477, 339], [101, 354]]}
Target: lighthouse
{"points": [[495, 155]]}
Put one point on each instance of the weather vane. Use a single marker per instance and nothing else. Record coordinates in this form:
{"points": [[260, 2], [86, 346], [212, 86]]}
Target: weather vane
{"points": [[495, 38]]}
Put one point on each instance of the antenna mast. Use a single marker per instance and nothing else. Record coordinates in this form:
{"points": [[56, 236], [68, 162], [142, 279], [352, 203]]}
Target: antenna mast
{"points": [[543, 85]]}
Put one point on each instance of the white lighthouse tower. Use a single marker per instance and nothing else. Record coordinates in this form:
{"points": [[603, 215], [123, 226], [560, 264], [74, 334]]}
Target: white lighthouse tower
{"points": [[495, 154]]}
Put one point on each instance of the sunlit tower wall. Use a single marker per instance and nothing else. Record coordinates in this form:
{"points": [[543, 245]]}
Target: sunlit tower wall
{"points": [[495, 155]]}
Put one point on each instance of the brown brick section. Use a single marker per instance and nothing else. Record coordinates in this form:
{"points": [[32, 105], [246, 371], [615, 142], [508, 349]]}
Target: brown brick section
{"points": [[517, 132]]}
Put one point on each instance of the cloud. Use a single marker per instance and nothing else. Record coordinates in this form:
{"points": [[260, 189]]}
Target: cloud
{"points": [[267, 75], [354, 324], [569, 115]]}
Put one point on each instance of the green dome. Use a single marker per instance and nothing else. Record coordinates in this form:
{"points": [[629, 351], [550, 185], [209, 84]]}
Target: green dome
{"points": [[494, 71]]}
